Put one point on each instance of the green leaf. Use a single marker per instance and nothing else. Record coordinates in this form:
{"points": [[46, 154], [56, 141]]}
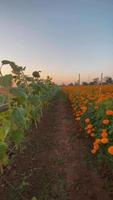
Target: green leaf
{"points": [[34, 198], [3, 99], [20, 94], [18, 117], [7, 62], [29, 79], [3, 132], [15, 68], [33, 99], [3, 150], [6, 81], [17, 136], [5, 160]]}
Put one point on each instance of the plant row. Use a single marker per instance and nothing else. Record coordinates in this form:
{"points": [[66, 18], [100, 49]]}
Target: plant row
{"points": [[26, 97], [93, 108]]}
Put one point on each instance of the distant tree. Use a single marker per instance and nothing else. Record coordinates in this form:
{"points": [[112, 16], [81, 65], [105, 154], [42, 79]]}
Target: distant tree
{"points": [[84, 83], [96, 81], [70, 84], [92, 83], [108, 80]]}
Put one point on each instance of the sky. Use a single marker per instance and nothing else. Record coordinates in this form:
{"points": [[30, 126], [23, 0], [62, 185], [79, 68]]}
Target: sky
{"points": [[62, 38]]}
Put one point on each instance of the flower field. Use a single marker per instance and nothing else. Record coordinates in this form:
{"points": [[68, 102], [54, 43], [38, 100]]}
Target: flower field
{"points": [[93, 108], [27, 135], [44, 154]]}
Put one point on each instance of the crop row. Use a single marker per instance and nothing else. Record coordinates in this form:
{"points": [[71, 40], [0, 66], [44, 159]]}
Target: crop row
{"points": [[93, 108], [26, 98]]}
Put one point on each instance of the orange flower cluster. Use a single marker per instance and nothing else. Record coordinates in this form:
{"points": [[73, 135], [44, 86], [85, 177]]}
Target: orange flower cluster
{"points": [[93, 107], [110, 150], [103, 140], [89, 128], [106, 121], [109, 112]]}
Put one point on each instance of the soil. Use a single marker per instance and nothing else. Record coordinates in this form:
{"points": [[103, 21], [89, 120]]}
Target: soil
{"points": [[53, 164]]}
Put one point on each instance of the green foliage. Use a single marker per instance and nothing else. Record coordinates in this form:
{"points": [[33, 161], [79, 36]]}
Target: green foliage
{"points": [[3, 150], [15, 68], [3, 99], [6, 81], [4, 130], [26, 102], [20, 95], [17, 136], [34, 198], [33, 99], [18, 117]]}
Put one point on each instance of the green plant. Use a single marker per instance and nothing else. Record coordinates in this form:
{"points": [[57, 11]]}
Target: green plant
{"points": [[26, 102]]}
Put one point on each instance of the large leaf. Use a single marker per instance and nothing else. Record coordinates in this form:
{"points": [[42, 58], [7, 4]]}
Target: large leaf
{"points": [[20, 94], [4, 132], [18, 117], [6, 81], [3, 99], [17, 136], [15, 68], [7, 62], [3, 150], [33, 99]]}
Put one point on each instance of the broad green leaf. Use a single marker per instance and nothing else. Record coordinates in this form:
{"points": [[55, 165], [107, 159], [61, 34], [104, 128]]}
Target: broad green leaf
{"points": [[3, 133], [18, 117], [34, 198], [3, 150], [6, 80], [3, 99], [34, 99], [17, 136], [20, 94]]}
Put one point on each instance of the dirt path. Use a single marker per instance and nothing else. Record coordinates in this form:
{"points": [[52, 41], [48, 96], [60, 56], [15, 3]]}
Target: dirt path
{"points": [[53, 164]]}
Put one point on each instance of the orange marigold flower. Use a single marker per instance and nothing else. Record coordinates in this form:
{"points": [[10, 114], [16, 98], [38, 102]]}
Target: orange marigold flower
{"points": [[104, 134], [109, 112], [104, 130], [110, 150], [78, 118], [104, 140], [89, 131], [96, 146], [77, 115], [87, 120], [106, 121], [93, 151], [89, 126], [97, 141], [92, 135], [84, 108]]}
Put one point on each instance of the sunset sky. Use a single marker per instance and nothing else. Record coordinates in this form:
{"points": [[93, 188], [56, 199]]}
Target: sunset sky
{"points": [[60, 37]]}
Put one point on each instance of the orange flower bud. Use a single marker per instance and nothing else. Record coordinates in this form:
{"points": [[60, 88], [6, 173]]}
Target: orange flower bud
{"points": [[110, 150], [106, 121], [104, 140], [87, 120]]}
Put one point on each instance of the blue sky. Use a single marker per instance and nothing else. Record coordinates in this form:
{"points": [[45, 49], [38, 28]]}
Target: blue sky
{"points": [[60, 37]]}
